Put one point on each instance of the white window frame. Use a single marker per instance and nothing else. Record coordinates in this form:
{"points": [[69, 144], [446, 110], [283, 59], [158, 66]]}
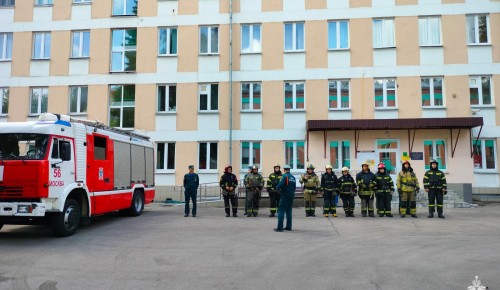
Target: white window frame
{"points": [[431, 92], [209, 40], [208, 169], [43, 2], [123, 50], [294, 157], [435, 153], [42, 45], [338, 31], [384, 89], [3, 95], [476, 29], [124, 8], [251, 97], [209, 98], [167, 37], [43, 90], [78, 100], [428, 27], [340, 150], [479, 86], [384, 43], [82, 1], [8, 3], [250, 154], [5, 47], [122, 106], [294, 37], [339, 94], [167, 98], [166, 157], [251, 38], [81, 39], [294, 95], [483, 157]]}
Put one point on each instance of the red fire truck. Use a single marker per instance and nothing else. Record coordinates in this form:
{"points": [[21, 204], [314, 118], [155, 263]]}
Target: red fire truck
{"points": [[61, 171]]}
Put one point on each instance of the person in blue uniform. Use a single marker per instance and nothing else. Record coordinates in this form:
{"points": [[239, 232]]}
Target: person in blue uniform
{"points": [[287, 187], [191, 183]]}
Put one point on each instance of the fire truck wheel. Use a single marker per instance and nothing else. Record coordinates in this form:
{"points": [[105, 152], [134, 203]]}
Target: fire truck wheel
{"points": [[137, 204], [1, 226], [66, 223]]}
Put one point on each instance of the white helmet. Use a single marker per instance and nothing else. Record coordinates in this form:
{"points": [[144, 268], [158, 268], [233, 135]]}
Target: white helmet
{"points": [[328, 167], [345, 168]]}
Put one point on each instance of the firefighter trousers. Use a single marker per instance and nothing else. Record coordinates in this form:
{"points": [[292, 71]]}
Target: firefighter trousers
{"points": [[408, 197], [348, 201], [366, 203], [253, 198], [435, 199], [274, 199], [230, 197], [384, 203], [309, 201], [329, 205]]}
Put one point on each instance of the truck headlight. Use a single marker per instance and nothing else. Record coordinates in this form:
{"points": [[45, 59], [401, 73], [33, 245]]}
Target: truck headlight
{"points": [[24, 208]]}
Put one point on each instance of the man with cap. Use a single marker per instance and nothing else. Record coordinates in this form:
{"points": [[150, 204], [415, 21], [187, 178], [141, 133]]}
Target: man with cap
{"points": [[274, 196], [254, 184], [228, 184], [407, 184], [347, 188], [366, 184], [384, 187], [286, 186], [435, 185], [191, 183], [311, 184], [329, 186]]}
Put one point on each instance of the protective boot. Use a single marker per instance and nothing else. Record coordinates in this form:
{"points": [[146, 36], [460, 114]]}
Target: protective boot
{"points": [[388, 215], [370, 213], [440, 215], [272, 215], [227, 212], [313, 208], [431, 214]]}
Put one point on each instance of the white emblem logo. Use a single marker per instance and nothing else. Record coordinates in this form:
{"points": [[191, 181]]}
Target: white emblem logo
{"points": [[476, 285]]}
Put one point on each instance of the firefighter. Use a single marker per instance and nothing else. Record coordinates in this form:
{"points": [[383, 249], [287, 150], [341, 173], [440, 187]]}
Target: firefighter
{"points": [[254, 184], [435, 186], [366, 183], [191, 183], [228, 184], [274, 196], [384, 188], [347, 189], [329, 186], [287, 187], [246, 191], [311, 184], [407, 184]]}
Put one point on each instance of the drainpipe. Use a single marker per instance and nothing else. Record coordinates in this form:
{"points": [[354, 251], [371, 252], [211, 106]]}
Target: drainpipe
{"points": [[230, 81]]}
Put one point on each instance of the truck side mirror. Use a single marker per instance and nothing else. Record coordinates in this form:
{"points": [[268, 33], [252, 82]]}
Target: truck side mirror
{"points": [[65, 151]]}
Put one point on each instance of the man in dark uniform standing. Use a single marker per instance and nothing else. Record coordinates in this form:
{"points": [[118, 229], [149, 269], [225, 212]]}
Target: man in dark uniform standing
{"points": [[274, 196], [435, 185], [191, 183], [228, 184], [287, 187]]}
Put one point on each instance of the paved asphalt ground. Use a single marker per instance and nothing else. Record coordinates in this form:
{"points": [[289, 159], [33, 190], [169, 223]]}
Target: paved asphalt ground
{"points": [[163, 250]]}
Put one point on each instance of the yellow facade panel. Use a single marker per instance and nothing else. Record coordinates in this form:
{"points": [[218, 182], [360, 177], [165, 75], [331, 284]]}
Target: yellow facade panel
{"points": [[147, 49], [187, 56], [455, 44], [187, 107], [316, 4], [60, 52], [361, 46], [317, 99], [61, 10], [316, 44], [102, 8], [23, 11], [18, 104], [187, 7], [362, 98], [272, 46], [58, 99], [98, 96], [99, 51], [409, 97], [408, 50], [272, 5], [273, 104], [145, 104], [457, 96], [360, 3], [21, 54], [147, 8]]}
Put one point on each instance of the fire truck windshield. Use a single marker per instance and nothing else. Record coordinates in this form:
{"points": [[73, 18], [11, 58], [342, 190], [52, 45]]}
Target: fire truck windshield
{"points": [[23, 146]]}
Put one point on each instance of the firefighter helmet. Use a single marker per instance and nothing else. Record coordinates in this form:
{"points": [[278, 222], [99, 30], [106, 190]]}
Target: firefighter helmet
{"points": [[381, 165], [277, 165], [406, 161], [255, 167], [328, 166], [366, 162], [433, 161], [345, 168], [227, 167], [310, 166]]}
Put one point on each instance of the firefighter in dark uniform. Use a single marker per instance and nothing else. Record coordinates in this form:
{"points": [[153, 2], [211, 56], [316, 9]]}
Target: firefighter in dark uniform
{"points": [[228, 184], [246, 191], [287, 187], [254, 184], [274, 195], [347, 189], [329, 186], [311, 184], [384, 188], [407, 184], [435, 186], [366, 183]]}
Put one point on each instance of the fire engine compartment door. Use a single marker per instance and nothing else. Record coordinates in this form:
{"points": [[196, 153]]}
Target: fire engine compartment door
{"points": [[100, 166], [122, 165], [61, 170]]}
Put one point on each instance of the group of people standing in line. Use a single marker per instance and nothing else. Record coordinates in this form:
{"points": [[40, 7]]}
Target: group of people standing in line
{"points": [[367, 185]]}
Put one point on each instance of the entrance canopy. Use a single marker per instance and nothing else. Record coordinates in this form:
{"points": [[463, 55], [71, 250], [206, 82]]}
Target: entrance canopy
{"points": [[411, 125]]}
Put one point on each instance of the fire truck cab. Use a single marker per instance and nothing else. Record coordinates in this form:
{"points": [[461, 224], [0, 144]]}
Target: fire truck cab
{"points": [[61, 171]]}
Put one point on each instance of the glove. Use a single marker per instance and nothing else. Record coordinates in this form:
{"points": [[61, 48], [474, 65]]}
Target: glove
{"points": [[445, 191]]}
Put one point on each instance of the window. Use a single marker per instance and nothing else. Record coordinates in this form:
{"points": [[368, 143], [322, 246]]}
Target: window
{"points": [[5, 46], [207, 155], [383, 33], [294, 95], [167, 96], [82, 1], [484, 154], [340, 154], [41, 45], [478, 29], [385, 93], [435, 149], [429, 31], [338, 94], [294, 36], [251, 96], [78, 99], [81, 44], [99, 148], [209, 39], [209, 97], [125, 7], [294, 154], [4, 101], [43, 2], [480, 90], [6, 3], [250, 154], [250, 38], [123, 54], [121, 106], [338, 34], [432, 92], [165, 156], [39, 101], [167, 41]]}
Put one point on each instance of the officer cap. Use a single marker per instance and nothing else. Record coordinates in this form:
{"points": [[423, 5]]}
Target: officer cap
{"points": [[310, 166], [345, 168], [286, 166], [250, 167], [191, 166], [328, 166]]}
